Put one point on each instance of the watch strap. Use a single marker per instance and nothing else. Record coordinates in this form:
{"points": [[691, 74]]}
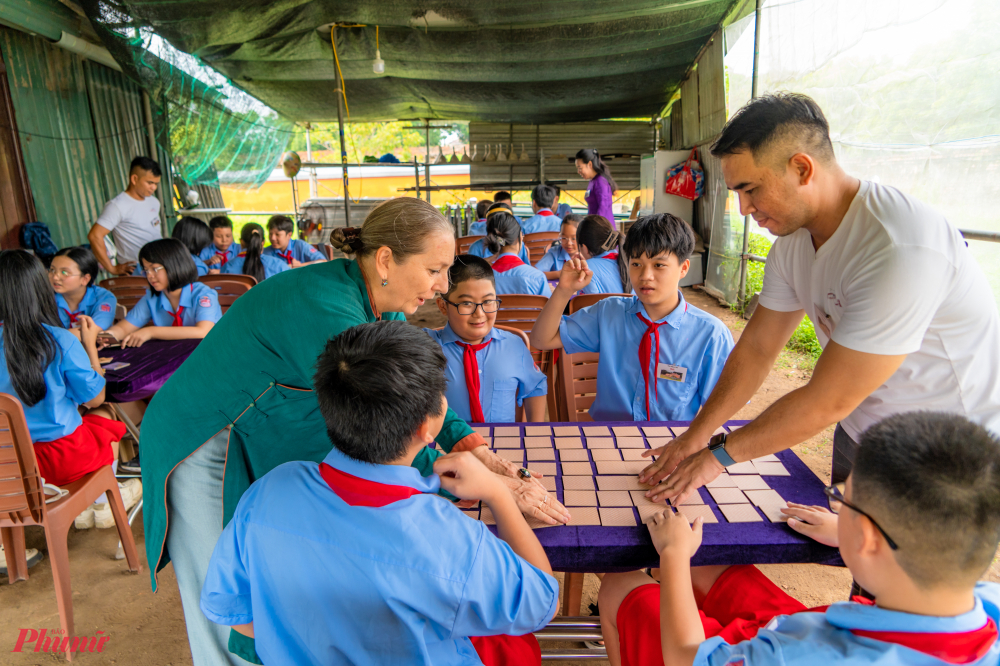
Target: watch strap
{"points": [[717, 445]]}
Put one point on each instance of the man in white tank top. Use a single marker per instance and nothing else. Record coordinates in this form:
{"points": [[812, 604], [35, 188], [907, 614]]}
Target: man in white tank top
{"points": [[133, 217], [904, 314]]}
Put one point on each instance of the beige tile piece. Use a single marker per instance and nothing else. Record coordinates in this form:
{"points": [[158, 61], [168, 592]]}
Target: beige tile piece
{"points": [[537, 431], [541, 455], [507, 431], [678, 430], [636, 454], [703, 511], [578, 483], [770, 457], [719, 431], [722, 481], [619, 483], [516, 456], [600, 443], [537, 442], [626, 431], [728, 496], [740, 513], [617, 517], [573, 455], [472, 513], [482, 430], [596, 431], [536, 524], [549, 482], [639, 498], [613, 498], [750, 482], [606, 454], [656, 442], [745, 467], [695, 498], [506, 442], [546, 468], [566, 431], [584, 515], [579, 498], [647, 511], [577, 469], [623, 467], [771, 469], [773, 512], [486, 515], [656, 431], [765, 497], [569, 443], [734, 427], [630, 442]]}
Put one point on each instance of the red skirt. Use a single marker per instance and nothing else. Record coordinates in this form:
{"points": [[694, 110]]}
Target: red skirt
{"points": [[740, 603], [508, 650], [88, 448]]}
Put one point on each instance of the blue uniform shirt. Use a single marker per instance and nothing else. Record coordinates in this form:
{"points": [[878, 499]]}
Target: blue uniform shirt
{"points": [[522, 279], [505, 368], [563, 210], [825, 638], [200, 265], [272, 266], [200, 303], [691, 339], [478, 228], [297, 249], [607, 278], [553, 260], [70, 381], [543, 220], [478, 249], [211, 251], [97, 303], [404, 583]]}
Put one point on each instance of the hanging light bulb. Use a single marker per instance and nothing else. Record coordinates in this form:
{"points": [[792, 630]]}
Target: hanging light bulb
{"points": [[378, 65]]}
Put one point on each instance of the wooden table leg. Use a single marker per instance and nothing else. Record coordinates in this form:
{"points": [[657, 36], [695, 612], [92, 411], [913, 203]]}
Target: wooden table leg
{"points": [[572, 599]]}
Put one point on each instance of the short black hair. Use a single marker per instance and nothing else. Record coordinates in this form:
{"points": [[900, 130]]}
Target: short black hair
{"points": [[376, 384], [655, 234], [502, 229], [469, 267], [770, 120], [174, 257], [932, 481], [281, 223], [502, 195], [84, 259], [194, 233], [573, 219], [543, 195], [482, 207], [220, 222], [145, 164]]}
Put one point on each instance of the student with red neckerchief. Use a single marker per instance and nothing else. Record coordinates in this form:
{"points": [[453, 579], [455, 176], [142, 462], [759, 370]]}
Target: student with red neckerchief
{"points": [[293, 251], [504, 239], [543, 197]]}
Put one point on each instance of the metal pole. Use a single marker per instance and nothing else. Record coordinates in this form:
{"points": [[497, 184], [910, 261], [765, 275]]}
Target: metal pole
{"points": [[343, 145], [313, 184], [147, 112], [416, 175], [427, 157], [745, 257]]}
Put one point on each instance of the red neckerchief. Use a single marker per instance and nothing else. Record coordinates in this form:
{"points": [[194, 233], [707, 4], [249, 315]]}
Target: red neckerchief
{"points": [[72, 315], [956, 648], [545, 212], [178, 321], [242, 254], [612, 256], [507, 262], [361, 492], [286, 255], [645, 352], [471, 365], [223, 255]]}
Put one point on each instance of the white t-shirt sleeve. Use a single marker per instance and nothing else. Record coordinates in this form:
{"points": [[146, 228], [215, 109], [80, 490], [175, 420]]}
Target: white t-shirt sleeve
{"points": [[777, 293], [111, 216], [892, 301]]}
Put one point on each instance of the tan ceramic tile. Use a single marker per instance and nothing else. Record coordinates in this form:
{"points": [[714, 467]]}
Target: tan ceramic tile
{"points": [[771, 469], [719, 431], [486, 515], [703, 511], [606, 454], [740, 513], [507, 431], [537, 442], [636, 454], [695, 498], [584, 515], [728, 496], [596, 431], [770, 457], [773, 513], [639, 498], [549, 482], [482, 430], [600, 443], [679, 430], [765, 497], [578, 483], [569, 443], [623, 467], [614, 498], [750, 482], [722, 481], [536, 524], [617, 517], [620, 483], [546, 468], [745, 467], [579, 498], [733, 427], [647, 511], [630, 443], [516, 456], [506, 442], [472, 513], [657, 442], [541, 455], [573, 455], [537, 431], [566, 431], [656, 431], [626, 431], [577, 469]]}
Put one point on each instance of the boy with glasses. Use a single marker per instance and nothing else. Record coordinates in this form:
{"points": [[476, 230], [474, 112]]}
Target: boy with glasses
{"points": [[489, 371], [917, 524]]}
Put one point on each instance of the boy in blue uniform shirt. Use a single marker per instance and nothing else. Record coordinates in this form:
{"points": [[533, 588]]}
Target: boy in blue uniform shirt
{"points": [[558, 255], [489, 371], [293, 251], [542, 198], [478, 228], [222, 248], [660, 355], [917, 525], [376, 567]]}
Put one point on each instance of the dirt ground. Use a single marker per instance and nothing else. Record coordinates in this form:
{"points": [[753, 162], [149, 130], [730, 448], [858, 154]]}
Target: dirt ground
{"points": [[148, 629]]}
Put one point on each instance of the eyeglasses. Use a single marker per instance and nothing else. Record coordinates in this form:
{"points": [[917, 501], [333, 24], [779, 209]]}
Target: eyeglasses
{"points": [[153, 270], [469, 308], [567, 239], [63, 272], [834, 495]]}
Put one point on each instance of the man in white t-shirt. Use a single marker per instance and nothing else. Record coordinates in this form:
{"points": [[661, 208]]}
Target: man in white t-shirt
{"points": [[904, 314], [133, 216]]}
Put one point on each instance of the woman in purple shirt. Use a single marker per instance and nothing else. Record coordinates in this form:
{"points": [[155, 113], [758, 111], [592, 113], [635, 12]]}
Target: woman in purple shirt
{"points": [[602, 185]]}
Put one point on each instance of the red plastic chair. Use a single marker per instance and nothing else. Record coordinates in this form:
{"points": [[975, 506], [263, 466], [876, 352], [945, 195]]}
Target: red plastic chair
{"points": [[128, 290], [463, 244], [229, 286]]}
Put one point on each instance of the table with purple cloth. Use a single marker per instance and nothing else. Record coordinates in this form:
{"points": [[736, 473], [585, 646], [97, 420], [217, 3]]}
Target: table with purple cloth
{"points": [[150, 366], [599, 548]]}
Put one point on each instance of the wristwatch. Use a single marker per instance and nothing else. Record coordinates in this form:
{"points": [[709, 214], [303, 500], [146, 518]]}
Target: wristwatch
{"points": [[717, 445]]}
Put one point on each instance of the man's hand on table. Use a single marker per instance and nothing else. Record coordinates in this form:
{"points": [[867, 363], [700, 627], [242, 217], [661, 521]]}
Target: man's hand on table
{"points": [[692, 473], [670, 456]]}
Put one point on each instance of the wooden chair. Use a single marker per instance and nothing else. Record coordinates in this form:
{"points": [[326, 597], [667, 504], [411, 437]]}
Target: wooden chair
{"points": [[128, 290], [230, 287], [539, 243], [22, 502], [582, 301], [519, 410], [520, 311], [463, 244]]}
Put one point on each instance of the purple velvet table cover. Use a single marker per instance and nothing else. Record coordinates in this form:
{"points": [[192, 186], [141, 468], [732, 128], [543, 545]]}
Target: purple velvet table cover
{"points": [[150, 366], [594, 548]]}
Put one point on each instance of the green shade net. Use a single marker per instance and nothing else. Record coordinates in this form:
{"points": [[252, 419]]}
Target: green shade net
{"points": [[208, 125]]}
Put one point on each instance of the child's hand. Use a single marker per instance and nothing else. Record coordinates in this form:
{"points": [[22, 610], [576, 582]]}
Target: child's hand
{"points": [[575, 275], [816, 522], [466, 478], [214, 260], [138, 337], [296, 263], [673, 535], [213, 271], [88, 332]]}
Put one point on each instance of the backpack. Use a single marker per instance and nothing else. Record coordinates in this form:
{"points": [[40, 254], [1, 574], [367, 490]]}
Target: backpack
{"points": [[35, 236]]}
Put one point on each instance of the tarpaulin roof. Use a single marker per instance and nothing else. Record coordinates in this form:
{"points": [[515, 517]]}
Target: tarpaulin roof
{"points": [[502, 61]]}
